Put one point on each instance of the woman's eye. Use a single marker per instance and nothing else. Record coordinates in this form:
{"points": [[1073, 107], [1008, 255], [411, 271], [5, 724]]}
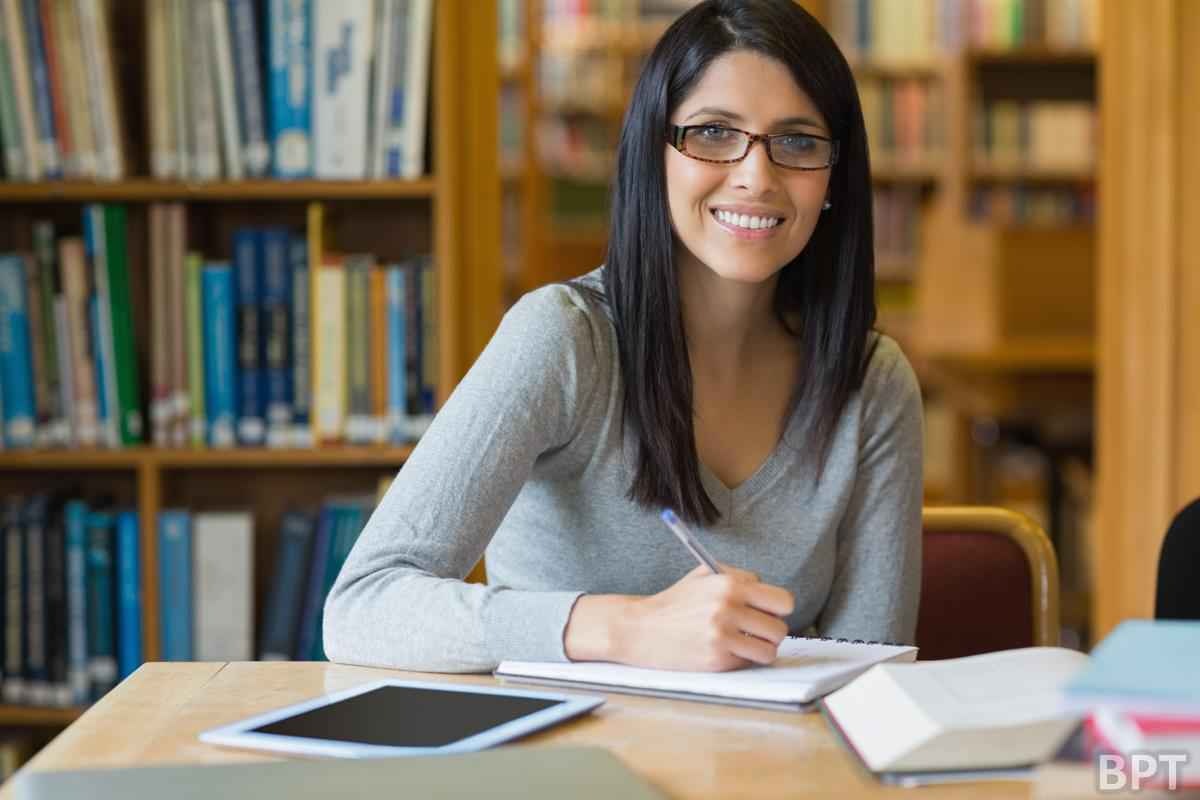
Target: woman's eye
{"points": [[713, 133], [797, 143]]}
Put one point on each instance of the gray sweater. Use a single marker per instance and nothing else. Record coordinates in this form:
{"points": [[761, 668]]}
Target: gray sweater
{"points": [[526, 461]]}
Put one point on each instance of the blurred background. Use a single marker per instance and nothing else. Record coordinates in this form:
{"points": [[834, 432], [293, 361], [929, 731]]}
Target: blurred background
{"points": [[248, 247]]}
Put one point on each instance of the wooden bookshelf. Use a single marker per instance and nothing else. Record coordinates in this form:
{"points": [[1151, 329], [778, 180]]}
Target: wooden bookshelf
{"points": [[240, 458], [153, 191], [451, 213], [1018, 173], [1030, 56], [36, 716]]}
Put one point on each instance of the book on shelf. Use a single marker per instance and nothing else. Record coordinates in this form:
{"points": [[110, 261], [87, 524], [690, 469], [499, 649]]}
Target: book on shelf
{"points": [[71, 599], [233, 345], [59, 112], [233, 89], [917, 31]]}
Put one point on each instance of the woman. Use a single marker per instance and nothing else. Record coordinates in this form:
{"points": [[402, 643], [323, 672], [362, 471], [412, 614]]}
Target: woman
{"points": [[721, 363]]}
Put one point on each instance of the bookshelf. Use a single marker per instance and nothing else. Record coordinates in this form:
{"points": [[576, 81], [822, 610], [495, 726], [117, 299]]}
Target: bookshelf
{"points": [[394, 218]]}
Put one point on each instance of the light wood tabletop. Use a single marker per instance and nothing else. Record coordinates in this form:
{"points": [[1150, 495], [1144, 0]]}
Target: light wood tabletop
{"points": [[685, 749]]}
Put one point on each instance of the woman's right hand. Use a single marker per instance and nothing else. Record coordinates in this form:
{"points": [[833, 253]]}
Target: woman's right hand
{"points": [[702, 623]]}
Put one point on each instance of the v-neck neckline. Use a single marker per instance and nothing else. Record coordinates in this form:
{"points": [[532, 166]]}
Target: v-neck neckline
{"points": [[726, 497]]}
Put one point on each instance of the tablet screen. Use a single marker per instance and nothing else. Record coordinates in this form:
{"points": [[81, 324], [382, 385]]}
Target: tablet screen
{"points": [[406, 716]]}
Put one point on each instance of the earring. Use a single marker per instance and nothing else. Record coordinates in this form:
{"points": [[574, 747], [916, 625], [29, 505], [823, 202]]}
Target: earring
{"points": [[826, 206]]}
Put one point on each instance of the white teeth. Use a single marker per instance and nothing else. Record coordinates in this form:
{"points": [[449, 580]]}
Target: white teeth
{"points": [[746, 221]]}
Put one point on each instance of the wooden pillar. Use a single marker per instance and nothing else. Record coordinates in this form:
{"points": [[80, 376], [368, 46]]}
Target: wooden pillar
{"points": [[1148, 399], [468, 181]]}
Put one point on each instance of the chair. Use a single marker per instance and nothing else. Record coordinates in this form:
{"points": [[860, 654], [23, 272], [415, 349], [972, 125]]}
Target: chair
{"points": [[989, 581], [1177, 595]]}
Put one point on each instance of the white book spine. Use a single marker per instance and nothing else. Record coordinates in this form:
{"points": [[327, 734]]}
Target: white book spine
{"points": [[206, 165], [181, 36], [223, 583], [162, 154], [381, 86], [90, 47], [79, 117], [416, 94], [231, 142], [342, 52]]}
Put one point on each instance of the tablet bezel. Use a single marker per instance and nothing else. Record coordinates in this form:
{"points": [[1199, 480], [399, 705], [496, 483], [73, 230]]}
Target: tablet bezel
{"points": [[240, 734]]}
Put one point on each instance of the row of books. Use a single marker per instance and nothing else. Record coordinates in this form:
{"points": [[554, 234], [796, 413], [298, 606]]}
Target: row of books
{"points": [[268, 349], [241, 351], [201, 552], [59, 110], [1045, 134], [333, 90], [919, 31], [71, 604], [575, 82], [896, 213], [68, 360], [1022, 205], [577, 147], [905, 119], [72, 599]]}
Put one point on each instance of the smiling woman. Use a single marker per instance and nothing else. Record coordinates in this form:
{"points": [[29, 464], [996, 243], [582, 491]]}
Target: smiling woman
{"points": [[721, 363]]}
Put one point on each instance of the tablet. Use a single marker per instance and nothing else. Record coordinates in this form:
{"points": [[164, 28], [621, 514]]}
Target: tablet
{"points": [[401, 717]]}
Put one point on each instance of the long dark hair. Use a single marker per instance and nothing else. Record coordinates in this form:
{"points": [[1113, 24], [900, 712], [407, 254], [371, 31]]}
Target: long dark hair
{"points": [[824, 297]]}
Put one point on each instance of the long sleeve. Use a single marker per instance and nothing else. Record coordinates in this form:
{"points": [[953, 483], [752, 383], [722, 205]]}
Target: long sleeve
{"points": [[877, 578], [400, 600]]}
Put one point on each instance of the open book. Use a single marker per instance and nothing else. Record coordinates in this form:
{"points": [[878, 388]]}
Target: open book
{"points": [[805, 670], [919, 723]]}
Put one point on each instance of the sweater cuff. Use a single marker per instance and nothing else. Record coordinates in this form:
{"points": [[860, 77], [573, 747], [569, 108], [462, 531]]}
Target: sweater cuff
{"points": [[528, 626]]}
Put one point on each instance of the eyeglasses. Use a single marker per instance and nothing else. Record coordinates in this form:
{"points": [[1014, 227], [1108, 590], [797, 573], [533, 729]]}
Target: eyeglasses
{"points": [[718, 144]]}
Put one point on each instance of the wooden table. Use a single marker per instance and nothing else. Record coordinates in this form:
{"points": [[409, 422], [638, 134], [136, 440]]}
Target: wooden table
{"points": [[686, 749]]}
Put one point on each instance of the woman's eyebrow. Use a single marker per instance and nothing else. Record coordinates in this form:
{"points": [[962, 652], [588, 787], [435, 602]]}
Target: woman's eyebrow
{"points": [[735, 117]]}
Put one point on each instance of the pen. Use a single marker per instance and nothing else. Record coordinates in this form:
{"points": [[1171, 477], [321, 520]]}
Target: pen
{"points": [[689, 541]]}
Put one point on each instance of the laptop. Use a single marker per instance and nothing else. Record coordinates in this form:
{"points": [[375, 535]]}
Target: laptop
{"points": [[509, 773]]}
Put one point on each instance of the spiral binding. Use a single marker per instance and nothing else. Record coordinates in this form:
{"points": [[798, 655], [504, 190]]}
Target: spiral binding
{"points": [[846, 641]]}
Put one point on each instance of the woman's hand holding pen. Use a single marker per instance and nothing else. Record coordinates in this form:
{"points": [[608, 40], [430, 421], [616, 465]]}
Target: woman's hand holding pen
{"points": [[703, 623], [706, 622]]}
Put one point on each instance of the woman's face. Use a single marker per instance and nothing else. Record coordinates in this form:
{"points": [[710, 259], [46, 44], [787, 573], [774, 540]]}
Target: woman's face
{"points": [[712, 204]]}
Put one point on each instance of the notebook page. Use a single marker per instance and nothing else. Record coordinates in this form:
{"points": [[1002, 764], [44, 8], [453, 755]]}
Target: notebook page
{"points": [[805, 669]]}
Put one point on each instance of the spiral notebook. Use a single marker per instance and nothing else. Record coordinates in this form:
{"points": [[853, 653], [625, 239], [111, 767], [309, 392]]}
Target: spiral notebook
{"points": [[805, 670]]}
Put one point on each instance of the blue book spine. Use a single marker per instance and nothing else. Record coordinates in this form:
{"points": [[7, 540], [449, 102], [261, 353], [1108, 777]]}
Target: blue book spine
{"points": [[280, 621], [77, 514], [16, 364], [43, 105], [396, 367], [290, 86], [252, 405], [308, 636], [175, 584], [37, 675], [275, 355], [243, 37], [102, 653], [129, 595], [14, 604], [220, 355], [94, 335], [301, 334]]}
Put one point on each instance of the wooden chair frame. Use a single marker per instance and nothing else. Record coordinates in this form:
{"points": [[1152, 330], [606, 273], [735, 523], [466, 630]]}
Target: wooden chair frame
{"points": [[1043, 564]]}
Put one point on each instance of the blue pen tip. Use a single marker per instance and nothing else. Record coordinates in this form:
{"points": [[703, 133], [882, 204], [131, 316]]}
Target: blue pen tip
{"points": [[669, 516]]}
